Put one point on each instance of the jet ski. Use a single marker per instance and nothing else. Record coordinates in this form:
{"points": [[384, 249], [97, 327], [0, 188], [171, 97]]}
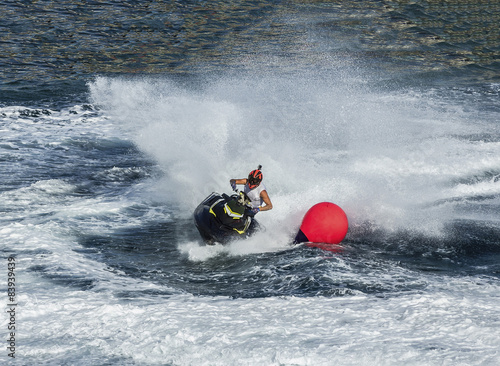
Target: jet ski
{"points": [[221, 218]]}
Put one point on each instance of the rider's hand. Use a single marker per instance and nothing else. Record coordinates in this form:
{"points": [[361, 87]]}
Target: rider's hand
{"points": [[255, 210], [233, 184]]}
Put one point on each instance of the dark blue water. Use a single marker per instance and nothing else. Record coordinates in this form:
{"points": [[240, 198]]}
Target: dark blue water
{"points": [[118, 118]]}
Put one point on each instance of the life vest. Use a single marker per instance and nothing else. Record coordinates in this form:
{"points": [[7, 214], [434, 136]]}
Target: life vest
{"points": [[254, 194]]}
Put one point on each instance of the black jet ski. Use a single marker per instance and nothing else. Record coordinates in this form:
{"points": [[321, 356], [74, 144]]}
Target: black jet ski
{"points": [[221, 218]]}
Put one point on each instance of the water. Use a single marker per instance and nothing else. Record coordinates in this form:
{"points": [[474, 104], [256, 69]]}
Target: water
{"points": [[118, 118]]}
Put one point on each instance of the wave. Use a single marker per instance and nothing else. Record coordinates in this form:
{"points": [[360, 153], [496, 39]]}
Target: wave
{"points": [[386, 157]]}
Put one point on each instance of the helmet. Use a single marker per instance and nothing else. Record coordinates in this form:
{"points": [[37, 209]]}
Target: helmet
{"points": [[254, 178]]}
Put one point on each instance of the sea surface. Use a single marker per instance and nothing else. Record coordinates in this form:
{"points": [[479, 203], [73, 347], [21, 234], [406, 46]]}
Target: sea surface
{"points": [[118, 117]]}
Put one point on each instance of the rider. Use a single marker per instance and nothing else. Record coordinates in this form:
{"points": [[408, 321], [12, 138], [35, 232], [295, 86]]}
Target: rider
{"points": [[255, 190]]}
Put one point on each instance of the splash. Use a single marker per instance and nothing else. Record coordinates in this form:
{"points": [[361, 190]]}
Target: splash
{"points": [[386, 157]]}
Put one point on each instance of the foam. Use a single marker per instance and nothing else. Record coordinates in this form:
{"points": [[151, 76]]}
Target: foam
{"points": [[392, 177], [383, 157], [186, 330]]}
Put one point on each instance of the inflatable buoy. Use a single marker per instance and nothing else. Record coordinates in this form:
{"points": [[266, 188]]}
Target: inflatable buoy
{"points": [[325, 222]]}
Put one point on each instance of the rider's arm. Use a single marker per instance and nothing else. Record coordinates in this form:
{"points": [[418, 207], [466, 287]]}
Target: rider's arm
{"points": [[267, 201], [239, 181]]}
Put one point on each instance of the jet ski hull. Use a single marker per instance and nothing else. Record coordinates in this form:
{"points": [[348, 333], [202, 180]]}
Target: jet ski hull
{"points": [[212, 228]]}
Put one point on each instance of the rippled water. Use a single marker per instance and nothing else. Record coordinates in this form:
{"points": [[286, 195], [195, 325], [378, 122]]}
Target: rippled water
{"points": [[47, 41]]}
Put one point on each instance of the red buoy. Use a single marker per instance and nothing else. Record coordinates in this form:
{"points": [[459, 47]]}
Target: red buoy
{"points": [[325, 222]]}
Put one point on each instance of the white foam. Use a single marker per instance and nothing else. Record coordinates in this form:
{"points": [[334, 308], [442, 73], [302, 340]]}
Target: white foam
{"points": [[453, 324], [198, 252], [260, 242], [384, 158], [488, 188]]}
